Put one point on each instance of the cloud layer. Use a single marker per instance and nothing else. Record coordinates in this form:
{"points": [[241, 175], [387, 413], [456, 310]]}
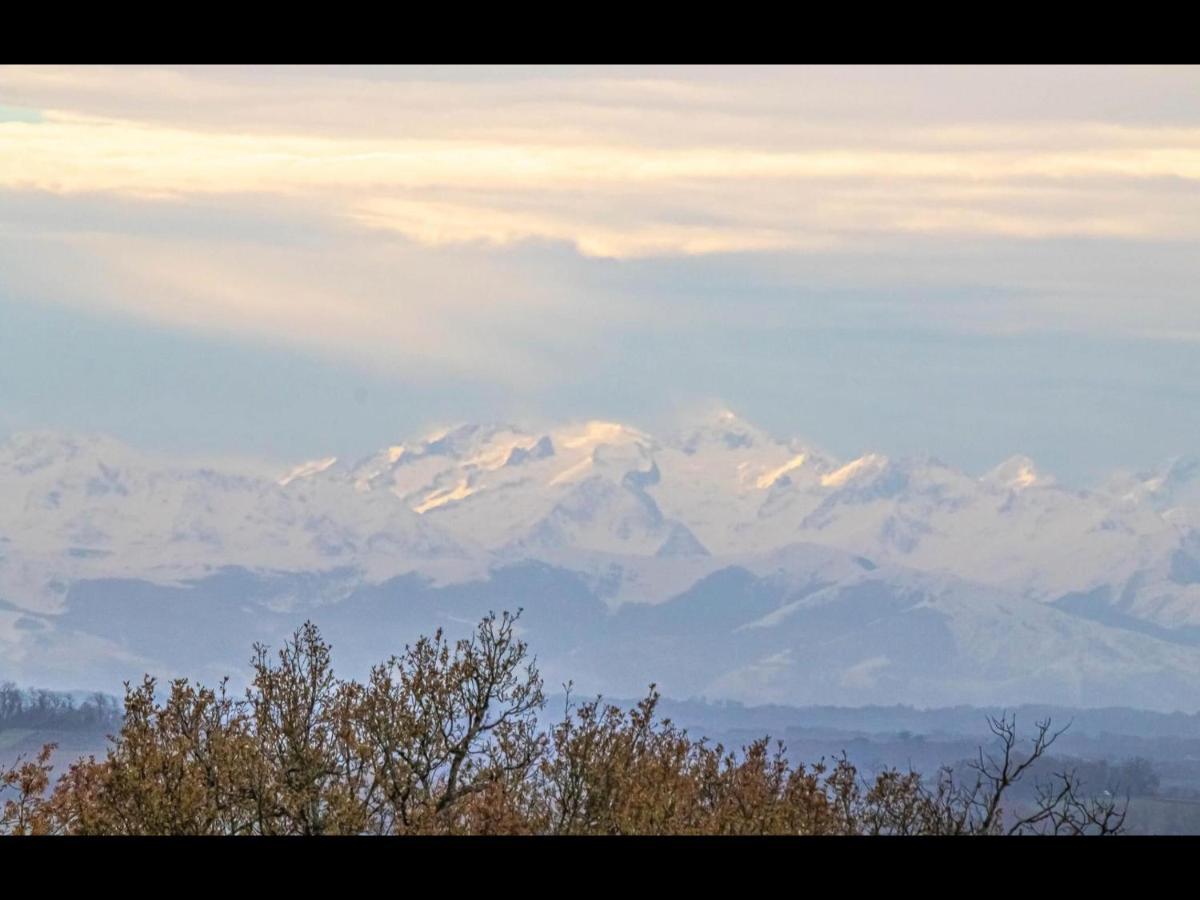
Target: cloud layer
{"points": [[524, 227]]}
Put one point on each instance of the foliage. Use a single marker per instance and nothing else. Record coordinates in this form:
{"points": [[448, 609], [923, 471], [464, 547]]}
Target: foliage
{"points": [[445, 739]]}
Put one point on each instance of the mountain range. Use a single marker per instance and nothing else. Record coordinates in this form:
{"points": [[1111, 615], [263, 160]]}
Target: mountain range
{"points": [[718, 561]]}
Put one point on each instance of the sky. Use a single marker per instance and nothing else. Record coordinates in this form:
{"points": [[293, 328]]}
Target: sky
{"points": [[282, 263]]}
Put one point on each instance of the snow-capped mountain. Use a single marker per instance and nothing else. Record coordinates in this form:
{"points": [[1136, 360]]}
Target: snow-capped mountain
{"points": [[74, 508], [725, 487], [1003, 582]]}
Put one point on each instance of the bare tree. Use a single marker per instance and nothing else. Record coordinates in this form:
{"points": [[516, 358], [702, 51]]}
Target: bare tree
{"points": [[445, 739], [444, 724]]}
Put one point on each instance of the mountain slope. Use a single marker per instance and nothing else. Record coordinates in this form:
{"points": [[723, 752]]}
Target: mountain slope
{"points": [[869, 578]]}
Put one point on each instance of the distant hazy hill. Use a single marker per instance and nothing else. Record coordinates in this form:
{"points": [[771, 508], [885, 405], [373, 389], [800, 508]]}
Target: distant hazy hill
{"points": [[78, 722]]}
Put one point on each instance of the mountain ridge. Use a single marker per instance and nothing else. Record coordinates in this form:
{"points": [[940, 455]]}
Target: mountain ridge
{"points": [[643, 520]]}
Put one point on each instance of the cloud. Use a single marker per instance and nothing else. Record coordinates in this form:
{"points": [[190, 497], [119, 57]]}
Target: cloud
{"points": [[633, 163], [383, 304], [499, 222]]}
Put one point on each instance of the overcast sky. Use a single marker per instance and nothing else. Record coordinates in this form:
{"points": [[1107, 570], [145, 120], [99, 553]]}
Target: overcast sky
{"points": [[282, 263]]}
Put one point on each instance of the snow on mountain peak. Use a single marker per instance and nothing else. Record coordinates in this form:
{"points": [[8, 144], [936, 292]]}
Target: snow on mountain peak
{"points": [[437, 498], [30, 451], [864, 466], [769, 478], [542, 448], [594, 433], [308, 469], [725, 486], [1016, 473], [721, 431], [1178, 473]]}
